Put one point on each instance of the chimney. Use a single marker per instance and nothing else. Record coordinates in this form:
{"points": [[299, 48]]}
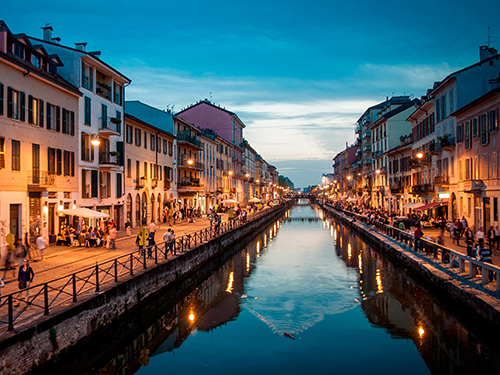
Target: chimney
{"points": [[47, 33], [56, 40], [80, 46], [96, 54], [486, 52]]}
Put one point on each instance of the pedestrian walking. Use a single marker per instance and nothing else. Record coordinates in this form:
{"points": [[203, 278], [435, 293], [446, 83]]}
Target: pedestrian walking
{"points": [[167, 237], [491, 237], [9, 259], [41, 245], [142, 240], [151, 243], [417, 235], [20, 252], [112, 237], [25, 277], [480, 236], [497, 237], [152, 228]]}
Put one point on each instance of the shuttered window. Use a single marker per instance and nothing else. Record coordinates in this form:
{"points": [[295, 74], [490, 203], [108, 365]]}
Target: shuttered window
{"points": [[16, 155]]}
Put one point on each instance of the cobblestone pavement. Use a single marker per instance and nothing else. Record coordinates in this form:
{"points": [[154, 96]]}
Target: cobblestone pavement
{"points": [[63, 260]]}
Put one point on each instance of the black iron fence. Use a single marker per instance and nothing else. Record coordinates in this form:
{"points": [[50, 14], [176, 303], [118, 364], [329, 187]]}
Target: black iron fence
{"points": [[31, 303]]}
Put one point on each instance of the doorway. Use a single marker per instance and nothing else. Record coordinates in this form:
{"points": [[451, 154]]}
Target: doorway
{"points": [[15, 220]]}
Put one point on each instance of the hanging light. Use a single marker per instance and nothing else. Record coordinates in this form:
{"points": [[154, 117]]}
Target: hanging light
{"points": [[190, 161], [95, 141], [230, 173], [247, 175]]}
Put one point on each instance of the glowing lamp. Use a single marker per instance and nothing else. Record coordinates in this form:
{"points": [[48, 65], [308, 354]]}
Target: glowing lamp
{"points": [[95, 141], [247, 175], [377, 171], [230, 173], [190, 161], [420, 155]]}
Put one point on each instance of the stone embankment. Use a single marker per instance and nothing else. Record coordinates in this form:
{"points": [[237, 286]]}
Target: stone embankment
{"points": [[477, 303], [54, 333]]}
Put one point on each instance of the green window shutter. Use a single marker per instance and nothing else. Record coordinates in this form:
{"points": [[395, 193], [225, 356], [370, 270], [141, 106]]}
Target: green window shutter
{"points": [[22, 99], [40, 117]]}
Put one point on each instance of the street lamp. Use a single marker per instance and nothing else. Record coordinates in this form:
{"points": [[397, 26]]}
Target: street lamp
{"points": [[378, 171], [247, 175], [230, 173], [95, 141], [190, 161], [420, 155], [349, 177]]}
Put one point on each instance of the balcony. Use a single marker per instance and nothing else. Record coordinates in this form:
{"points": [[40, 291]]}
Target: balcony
{"points": [[103, 90], [186, 184], [367, 134], [359, 128], [448, 143], [441, 180], [195, 165], [87, 82], [41, 178], [185, 138], [166, 184], [420, 163], [422, 189], [140, 182], [474, 186], [435, 148], [396, 189], [109, 126], [109, 160], [367, 148]]}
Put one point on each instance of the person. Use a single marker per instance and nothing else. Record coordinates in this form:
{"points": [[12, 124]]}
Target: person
{"points": [[92, 238], [172, 239], [497, 237], [469, 240], [171, 218], [217, 221], [40, 245], [440, 237], [167, 237], [151, 243], [142, 240], [152, 229], [491, 237], [20, 252], [112, 237], [480, 236], [231, 214], [9, 258], [25, 277], [484, 255], [128, 227], [464, 224], [2, 285], [418, 234], [456, 232]]}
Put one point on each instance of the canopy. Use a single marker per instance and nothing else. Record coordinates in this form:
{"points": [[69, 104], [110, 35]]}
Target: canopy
{"points": [[254, 200], [229, 201], [85, 212], [413, 205], [429, 206], [352, 200]]}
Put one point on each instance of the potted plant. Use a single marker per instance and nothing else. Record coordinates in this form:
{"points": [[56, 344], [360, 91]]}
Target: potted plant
{"points": [[115, 120]]}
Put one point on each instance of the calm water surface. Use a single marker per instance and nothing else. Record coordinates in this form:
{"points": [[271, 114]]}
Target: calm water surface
{"points": [[305, 296]]}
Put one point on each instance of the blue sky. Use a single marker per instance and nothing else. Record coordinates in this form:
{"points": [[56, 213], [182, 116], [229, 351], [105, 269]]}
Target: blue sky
{"points": [[298, 74]]}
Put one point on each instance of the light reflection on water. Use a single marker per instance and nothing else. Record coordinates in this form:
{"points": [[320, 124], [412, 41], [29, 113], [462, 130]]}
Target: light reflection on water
{"points": [[306, 296]]}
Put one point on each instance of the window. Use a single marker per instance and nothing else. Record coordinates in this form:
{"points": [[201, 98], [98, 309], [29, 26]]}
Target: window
{"points": [[119, 189], [138, 134], [152, 142], [476, 168], [87, 148], [67, 163], [1, 99], [452, 166], [16, 155], [118, 93], [2, 152], [19, 50], [51, 160], [492, 118], [87, 77], [467, 136], [158, 144], [475, 129], [145, 140], [137, 171], [129, 136], [170, 148], [59, 162], [118, 122], [104, 116], [165, 146], [452, 104], [485, 167], [145, 170], [485, 135], [15, 104], [494, 170], [87, 120], [35, 111], [35, 60], [129, 168], [65, 121]]}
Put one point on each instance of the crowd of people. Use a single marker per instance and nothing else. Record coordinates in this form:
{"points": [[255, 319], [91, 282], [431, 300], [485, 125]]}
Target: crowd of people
{"points": [[458, 229], [102, 235]]}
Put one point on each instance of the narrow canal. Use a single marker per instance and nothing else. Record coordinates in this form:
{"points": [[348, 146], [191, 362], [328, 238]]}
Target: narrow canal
{"points": [[304, 296]]}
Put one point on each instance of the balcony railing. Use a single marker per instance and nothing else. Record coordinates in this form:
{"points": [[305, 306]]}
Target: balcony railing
{"points": [[441, 180], [109, 126], [187, 181], [396, 189], [87, 82], [367, 148], [435, 148], [185, 137], [448, 143], [367, 134], [41, 178], [473, 186], [359, 128], [422, 189], [105, 158], [104, 90], [194, 165]]}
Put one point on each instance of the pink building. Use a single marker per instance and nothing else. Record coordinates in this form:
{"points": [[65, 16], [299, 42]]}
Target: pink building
{"points": [[207, 115]]}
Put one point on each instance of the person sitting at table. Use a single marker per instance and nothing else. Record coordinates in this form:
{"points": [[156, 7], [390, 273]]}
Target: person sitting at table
{"points": [[60, 240]]}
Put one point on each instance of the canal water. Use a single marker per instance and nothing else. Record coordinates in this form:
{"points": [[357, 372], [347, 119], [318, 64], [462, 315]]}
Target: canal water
{"points": [[304, 296]]}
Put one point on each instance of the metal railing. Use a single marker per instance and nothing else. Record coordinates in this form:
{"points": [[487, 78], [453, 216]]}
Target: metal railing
{"points": [[440, 253], [36, 301]]}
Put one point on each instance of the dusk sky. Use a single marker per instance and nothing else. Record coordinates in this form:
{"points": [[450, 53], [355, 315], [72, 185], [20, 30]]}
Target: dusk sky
{"points": [[298, 74]]}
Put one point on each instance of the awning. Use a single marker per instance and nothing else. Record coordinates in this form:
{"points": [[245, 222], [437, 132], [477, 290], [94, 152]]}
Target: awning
{"points": [[85, 212], [429, 206], [413, 205]]}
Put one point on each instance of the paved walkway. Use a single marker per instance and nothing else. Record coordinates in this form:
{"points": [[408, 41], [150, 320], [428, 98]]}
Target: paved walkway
{"points": [[63, 260]]}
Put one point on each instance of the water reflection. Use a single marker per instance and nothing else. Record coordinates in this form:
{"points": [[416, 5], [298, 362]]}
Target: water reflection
{"points": [[320, 284]]}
